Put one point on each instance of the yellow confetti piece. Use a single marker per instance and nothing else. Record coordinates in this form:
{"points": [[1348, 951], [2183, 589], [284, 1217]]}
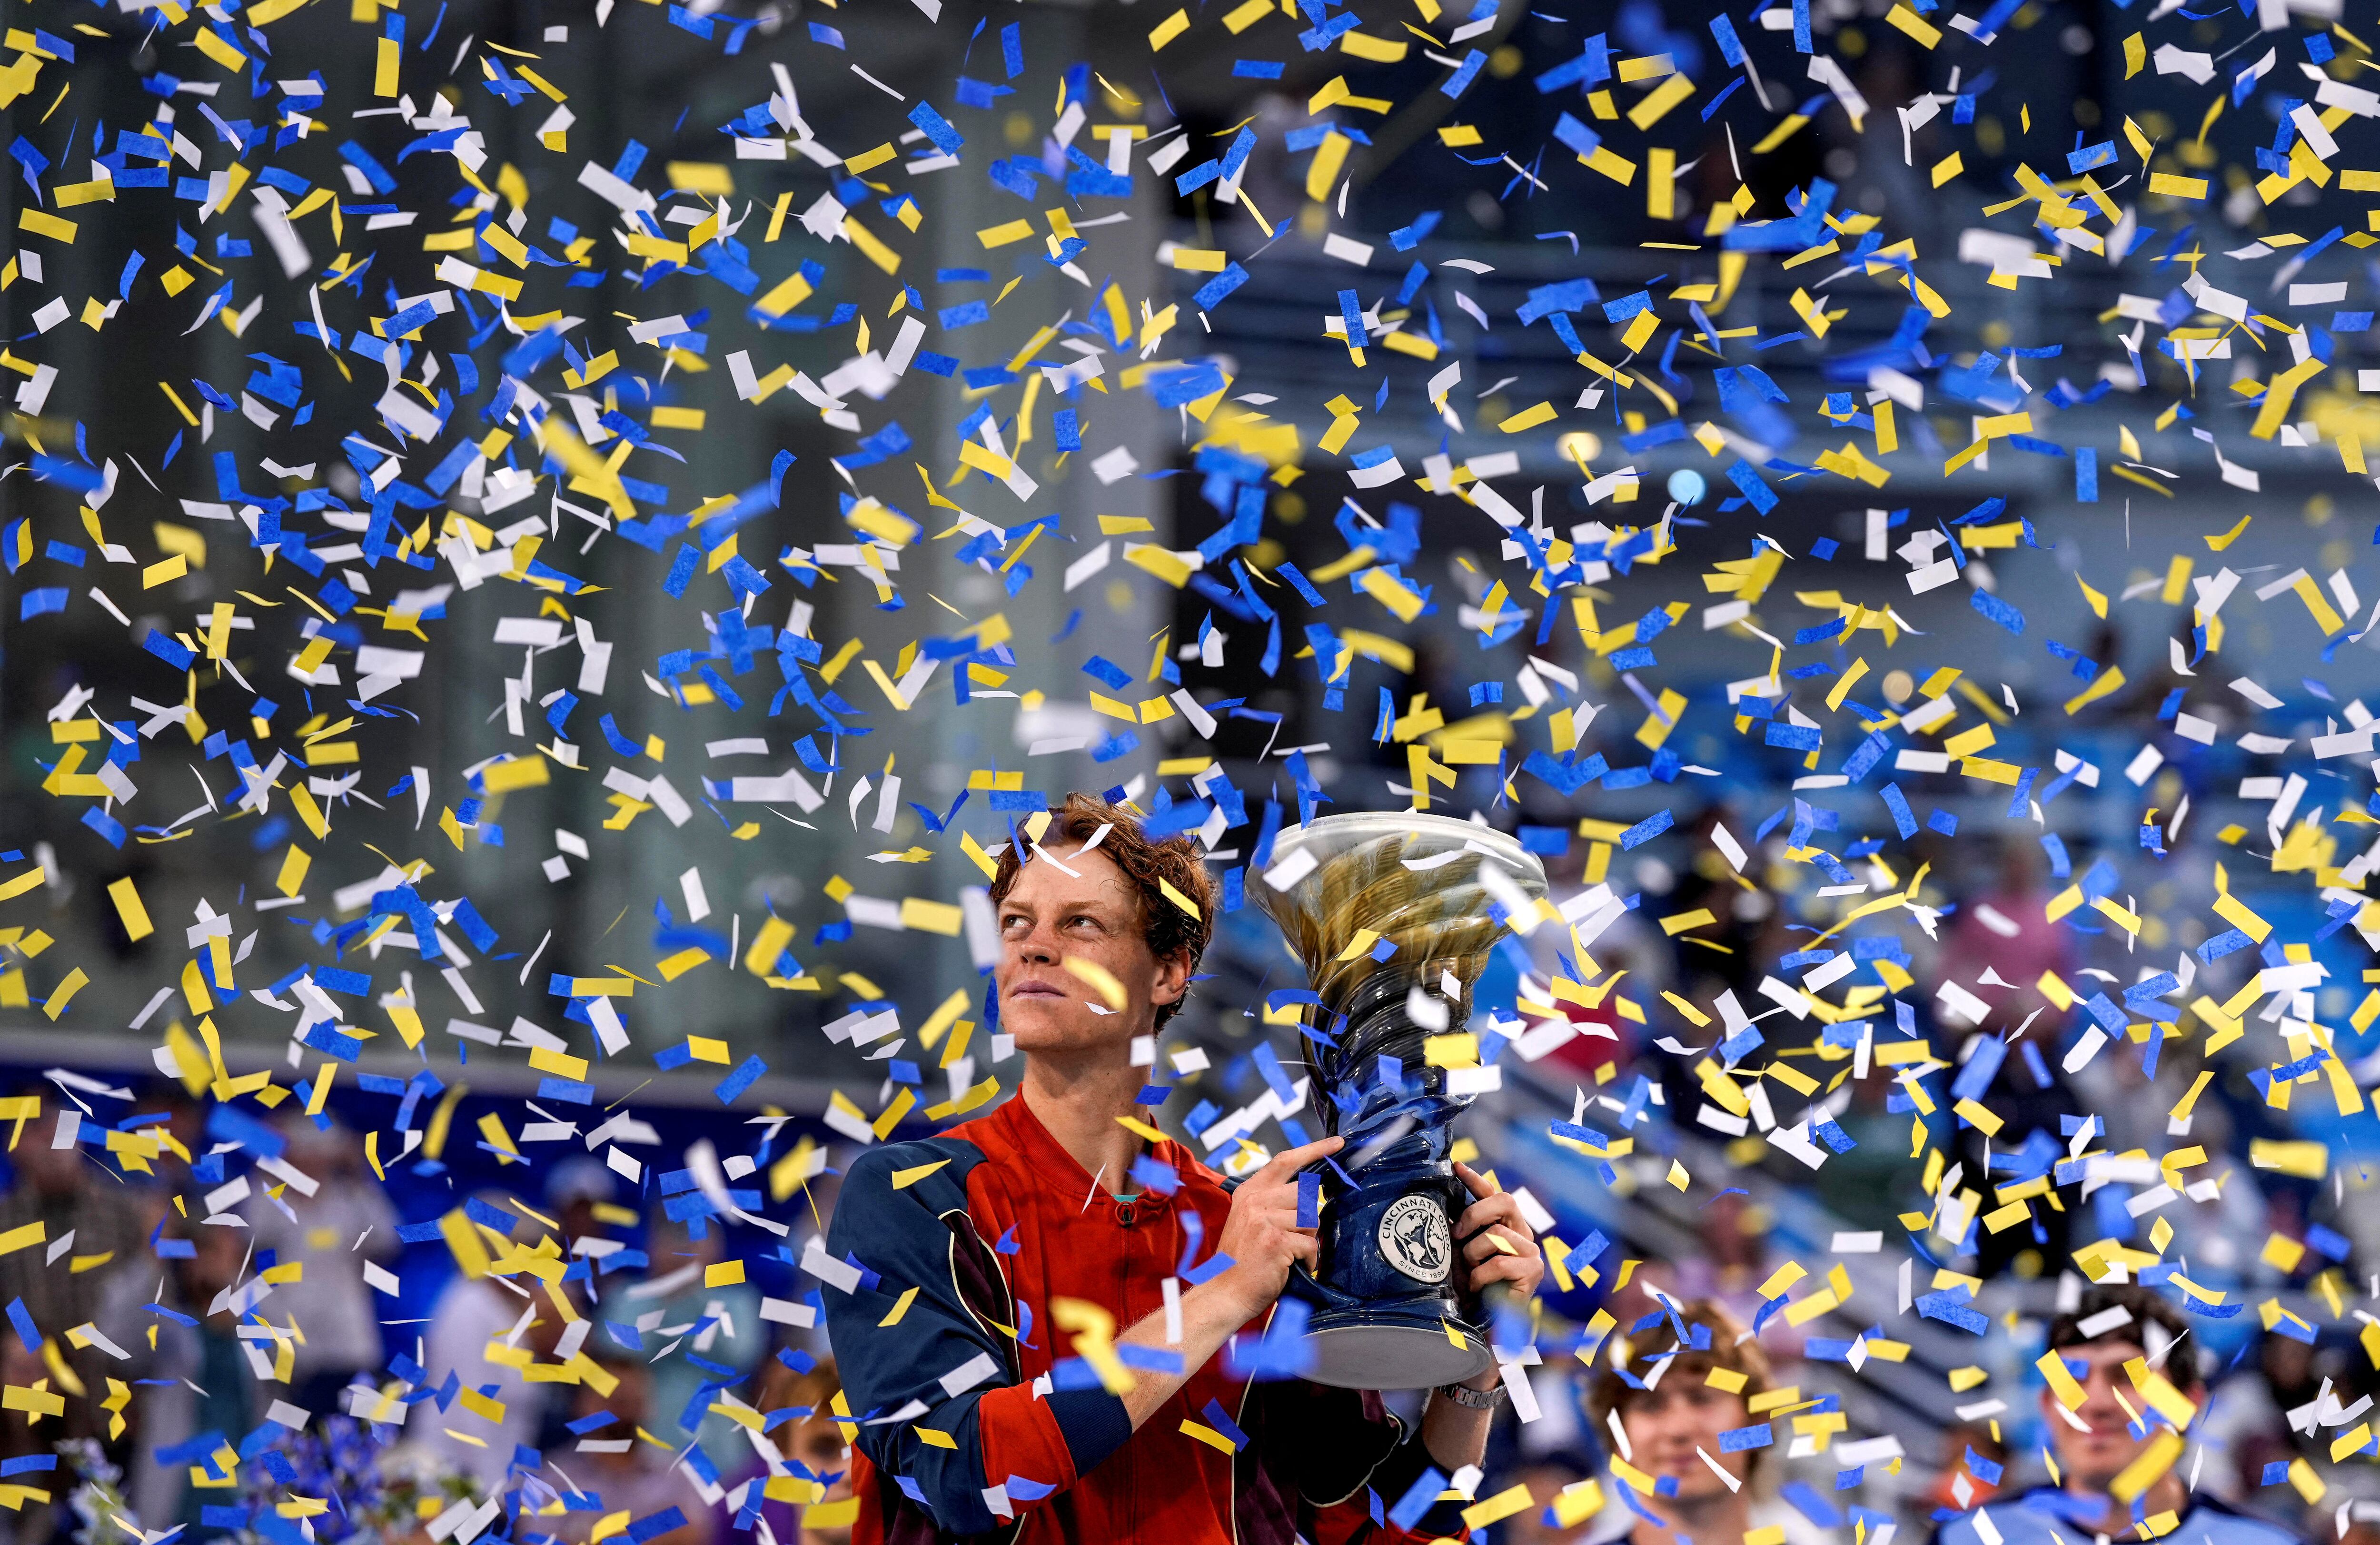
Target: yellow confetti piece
{"points": [[1458, 1050], [1382, 587], [1672, 91], [75, 981], [2150, 1467], [128, 909], [1528, 419], [34, 221], [2307, 1160], [1513, 1499], [1140, 1128], [1208, 1436], [1917, 27], [1099, 980]]}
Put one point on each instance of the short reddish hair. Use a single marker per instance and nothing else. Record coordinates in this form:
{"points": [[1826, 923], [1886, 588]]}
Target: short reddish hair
{"points": [[1730, 1349], [1169, 931]]}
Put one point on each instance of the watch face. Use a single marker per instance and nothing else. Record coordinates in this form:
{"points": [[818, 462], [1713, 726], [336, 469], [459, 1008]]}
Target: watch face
{"points": [[1416, 1239]]}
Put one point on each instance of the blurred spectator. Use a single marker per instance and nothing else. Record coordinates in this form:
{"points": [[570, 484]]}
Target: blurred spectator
{"points": [[577, 1192], [627, 1472], [1731, 1265], [196, 1378], [723, 1322], [186, 1124], [578, 1195], [1957, 1485], [1633, 1300], [1678, 1411], [73, 1199], [22, 1437], [2246, 1422], [347, 1222], [471, 1312], [1869, 1186], [1626, 950], [2094, 1443], [809, 1446], [2001, 941], [1735, 951], [2034, 1109]]}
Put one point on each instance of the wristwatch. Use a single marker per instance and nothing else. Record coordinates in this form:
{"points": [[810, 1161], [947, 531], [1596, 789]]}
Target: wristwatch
{"points": [[1476, 1400]]}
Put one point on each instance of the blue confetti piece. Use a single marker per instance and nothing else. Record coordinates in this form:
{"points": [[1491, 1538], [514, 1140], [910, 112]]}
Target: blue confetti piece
{"points": [[1647, 830], [1730, 47], [1473, 62], [1810, 1503], [1998, 611], [1212, 293], [731, 1088], [1950, 1308], [1417, 1498], [22, 1319], [936, 127], [1762, 497]]}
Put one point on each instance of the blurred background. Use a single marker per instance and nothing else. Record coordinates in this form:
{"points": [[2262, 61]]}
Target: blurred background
{"points": [[568, 892]]}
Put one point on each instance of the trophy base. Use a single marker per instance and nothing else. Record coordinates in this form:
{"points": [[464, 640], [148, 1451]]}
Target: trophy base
{"points": [[1355, 1350]]}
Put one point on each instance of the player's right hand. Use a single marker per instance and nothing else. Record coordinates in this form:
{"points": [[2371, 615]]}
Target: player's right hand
{"points": [[1261, 1235]]}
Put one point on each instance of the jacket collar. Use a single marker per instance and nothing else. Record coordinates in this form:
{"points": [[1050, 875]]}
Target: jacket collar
{"points": [[1014, 1127]]}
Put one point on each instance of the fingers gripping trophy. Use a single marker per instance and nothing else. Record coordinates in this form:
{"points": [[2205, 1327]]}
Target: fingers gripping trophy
{"points": [[1390, 1312]]}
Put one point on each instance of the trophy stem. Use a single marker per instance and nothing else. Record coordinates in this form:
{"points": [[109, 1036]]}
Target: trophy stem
{"points": [[1392, 1313]]}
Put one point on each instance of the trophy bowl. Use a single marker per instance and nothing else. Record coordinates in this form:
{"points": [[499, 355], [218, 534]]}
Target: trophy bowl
{"points": [[1388, 1310]]}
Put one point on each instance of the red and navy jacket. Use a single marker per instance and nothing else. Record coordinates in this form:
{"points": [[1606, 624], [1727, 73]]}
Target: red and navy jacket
{"points": [[1006, 1223]]}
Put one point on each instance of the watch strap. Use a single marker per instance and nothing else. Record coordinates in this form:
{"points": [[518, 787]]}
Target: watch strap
{"points": [[1476, 1400]]}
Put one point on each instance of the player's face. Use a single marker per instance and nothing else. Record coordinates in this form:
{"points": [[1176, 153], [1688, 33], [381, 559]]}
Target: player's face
{"points": [[1091, 916], [1676, 1416], [2091, 1460]]}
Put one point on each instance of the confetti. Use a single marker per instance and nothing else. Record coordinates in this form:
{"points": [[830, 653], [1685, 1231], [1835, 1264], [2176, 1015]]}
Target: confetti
{"points": [[493, 413]]}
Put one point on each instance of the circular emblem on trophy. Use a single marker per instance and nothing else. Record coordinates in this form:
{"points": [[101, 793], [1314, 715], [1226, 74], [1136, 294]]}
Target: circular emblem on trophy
{"points": [[1416, 1239]]}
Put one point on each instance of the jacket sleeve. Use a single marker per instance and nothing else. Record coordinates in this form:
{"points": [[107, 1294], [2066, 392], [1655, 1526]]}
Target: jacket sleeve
{"points": [[1350, 1449], [1403, 1465], [937, 1369]]}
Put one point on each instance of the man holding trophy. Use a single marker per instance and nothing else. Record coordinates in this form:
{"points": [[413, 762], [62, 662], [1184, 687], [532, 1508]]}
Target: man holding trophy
{"points": [[1035, 1301]]}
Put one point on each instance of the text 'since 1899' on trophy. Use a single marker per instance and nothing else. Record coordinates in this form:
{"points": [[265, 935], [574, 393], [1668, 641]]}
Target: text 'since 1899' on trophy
{"points": [[1389, 911]]}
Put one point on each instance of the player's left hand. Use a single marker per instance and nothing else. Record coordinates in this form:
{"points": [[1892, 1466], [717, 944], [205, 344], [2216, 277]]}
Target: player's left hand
{"points": [[1505, 1249]]}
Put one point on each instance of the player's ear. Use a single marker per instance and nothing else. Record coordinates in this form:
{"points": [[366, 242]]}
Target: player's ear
{"points": [[1172, 982]]}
